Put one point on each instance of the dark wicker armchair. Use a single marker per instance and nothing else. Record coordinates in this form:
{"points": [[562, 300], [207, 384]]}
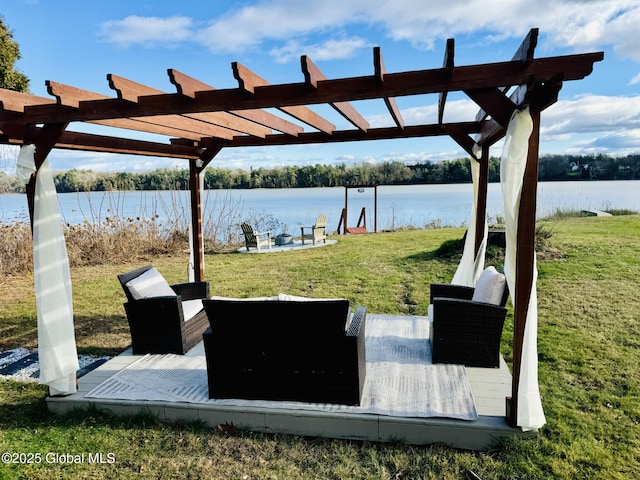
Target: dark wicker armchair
{"points": [[158, 323], [464, 331], [285, 350]]}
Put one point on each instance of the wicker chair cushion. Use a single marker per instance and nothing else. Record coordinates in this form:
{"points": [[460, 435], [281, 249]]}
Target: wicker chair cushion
{"points": [[248, 299], [489, 287], [150, 284], [190, 308], [294, 298]]}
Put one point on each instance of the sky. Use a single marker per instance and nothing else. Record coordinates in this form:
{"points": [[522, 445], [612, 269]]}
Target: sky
{"points": [[79, 42]]}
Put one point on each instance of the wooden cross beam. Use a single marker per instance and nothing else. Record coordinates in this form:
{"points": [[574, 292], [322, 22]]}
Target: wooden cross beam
{"points": [[250, 82], [224, 125], [447, 68], [190, 87], [313, 75], [380, 71]]}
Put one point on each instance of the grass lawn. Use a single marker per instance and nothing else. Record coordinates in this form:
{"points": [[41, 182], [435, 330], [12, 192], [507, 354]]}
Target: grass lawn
{"points": [[589, 350]]}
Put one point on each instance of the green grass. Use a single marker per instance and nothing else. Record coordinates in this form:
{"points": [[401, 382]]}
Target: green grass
{"points": [[589, 350]]}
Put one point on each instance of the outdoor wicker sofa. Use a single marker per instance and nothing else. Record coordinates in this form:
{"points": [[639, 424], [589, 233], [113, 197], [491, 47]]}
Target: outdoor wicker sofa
{"points": [[163, 318], [466, 322], [285, 348]]}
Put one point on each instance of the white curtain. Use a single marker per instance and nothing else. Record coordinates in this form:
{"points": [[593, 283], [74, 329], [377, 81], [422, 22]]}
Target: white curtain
{"points": [[472, 262], [57, 352], [512, 166]]}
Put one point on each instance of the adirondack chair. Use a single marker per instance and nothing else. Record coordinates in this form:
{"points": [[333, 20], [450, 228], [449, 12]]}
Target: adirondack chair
{"points": [[255, 239], [316, 232]]}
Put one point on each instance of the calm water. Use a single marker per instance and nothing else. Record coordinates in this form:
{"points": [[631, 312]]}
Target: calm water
{"points": [[417, 205]]}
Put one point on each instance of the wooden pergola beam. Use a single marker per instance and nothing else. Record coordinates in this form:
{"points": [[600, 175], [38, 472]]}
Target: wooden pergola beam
{"points": [[380, 72], [461, 137], [218, 124], [524, 56], [12, 101], [19, 134], [313, 75], [494, 102], [71, 97], [189, 86], [447, 68], [251, 82], [384, 133], [186, 149], [574, 67]]}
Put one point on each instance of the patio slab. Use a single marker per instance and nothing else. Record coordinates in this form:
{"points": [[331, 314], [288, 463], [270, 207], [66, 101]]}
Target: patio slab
{"points": [[296, 245], [489, 387]]}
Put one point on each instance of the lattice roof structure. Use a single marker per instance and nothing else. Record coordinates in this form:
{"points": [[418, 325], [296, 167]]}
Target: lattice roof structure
{"points": [[196, 118]]}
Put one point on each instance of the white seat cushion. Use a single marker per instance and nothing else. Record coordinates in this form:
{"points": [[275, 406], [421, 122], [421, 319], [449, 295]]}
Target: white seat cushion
{"points": [[190, 308], [150, 284], [294, 298], [248, 299], [489, 287]]}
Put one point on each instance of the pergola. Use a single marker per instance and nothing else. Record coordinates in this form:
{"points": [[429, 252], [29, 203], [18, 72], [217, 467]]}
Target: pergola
{"points": [[199, 121]]}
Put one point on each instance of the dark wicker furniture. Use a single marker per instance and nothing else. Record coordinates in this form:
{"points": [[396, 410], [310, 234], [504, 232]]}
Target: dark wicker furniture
{"points": [[157, 324], [463, 331], [285, 350]]}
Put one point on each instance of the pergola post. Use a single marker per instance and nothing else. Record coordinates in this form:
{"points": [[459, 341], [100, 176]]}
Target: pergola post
{"points": [[525, 259], [196, 169], [481, 208], [196, 220]]}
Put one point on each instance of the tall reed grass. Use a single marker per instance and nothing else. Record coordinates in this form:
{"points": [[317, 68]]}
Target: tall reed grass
{"points": [[107, 236]]}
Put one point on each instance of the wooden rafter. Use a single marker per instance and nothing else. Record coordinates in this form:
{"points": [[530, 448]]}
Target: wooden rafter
{"points": [[190, 87], [20, 134], [384, 133], [230, 125], [250, 82], [390, 102], [574, 67], [12, 101], [313, 75], [72, 96], [447, 68], [462, 138], [493, 101], [524, 56]]}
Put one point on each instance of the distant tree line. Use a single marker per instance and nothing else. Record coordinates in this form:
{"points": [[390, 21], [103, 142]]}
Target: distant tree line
{"points": [[551, 168]]}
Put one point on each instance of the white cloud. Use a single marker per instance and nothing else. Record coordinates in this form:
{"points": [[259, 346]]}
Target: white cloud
{"points": [[610, 124], [252, 24], [635, 80], [566, 23], [328, 50], [148, 30], [571, 24], [591, 113]]}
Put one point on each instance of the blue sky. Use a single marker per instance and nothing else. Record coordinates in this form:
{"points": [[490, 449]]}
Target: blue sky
{"points": [[79, 42]]}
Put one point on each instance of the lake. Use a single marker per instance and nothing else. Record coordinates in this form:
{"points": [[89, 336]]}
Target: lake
{"points": [[415, 205]]}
